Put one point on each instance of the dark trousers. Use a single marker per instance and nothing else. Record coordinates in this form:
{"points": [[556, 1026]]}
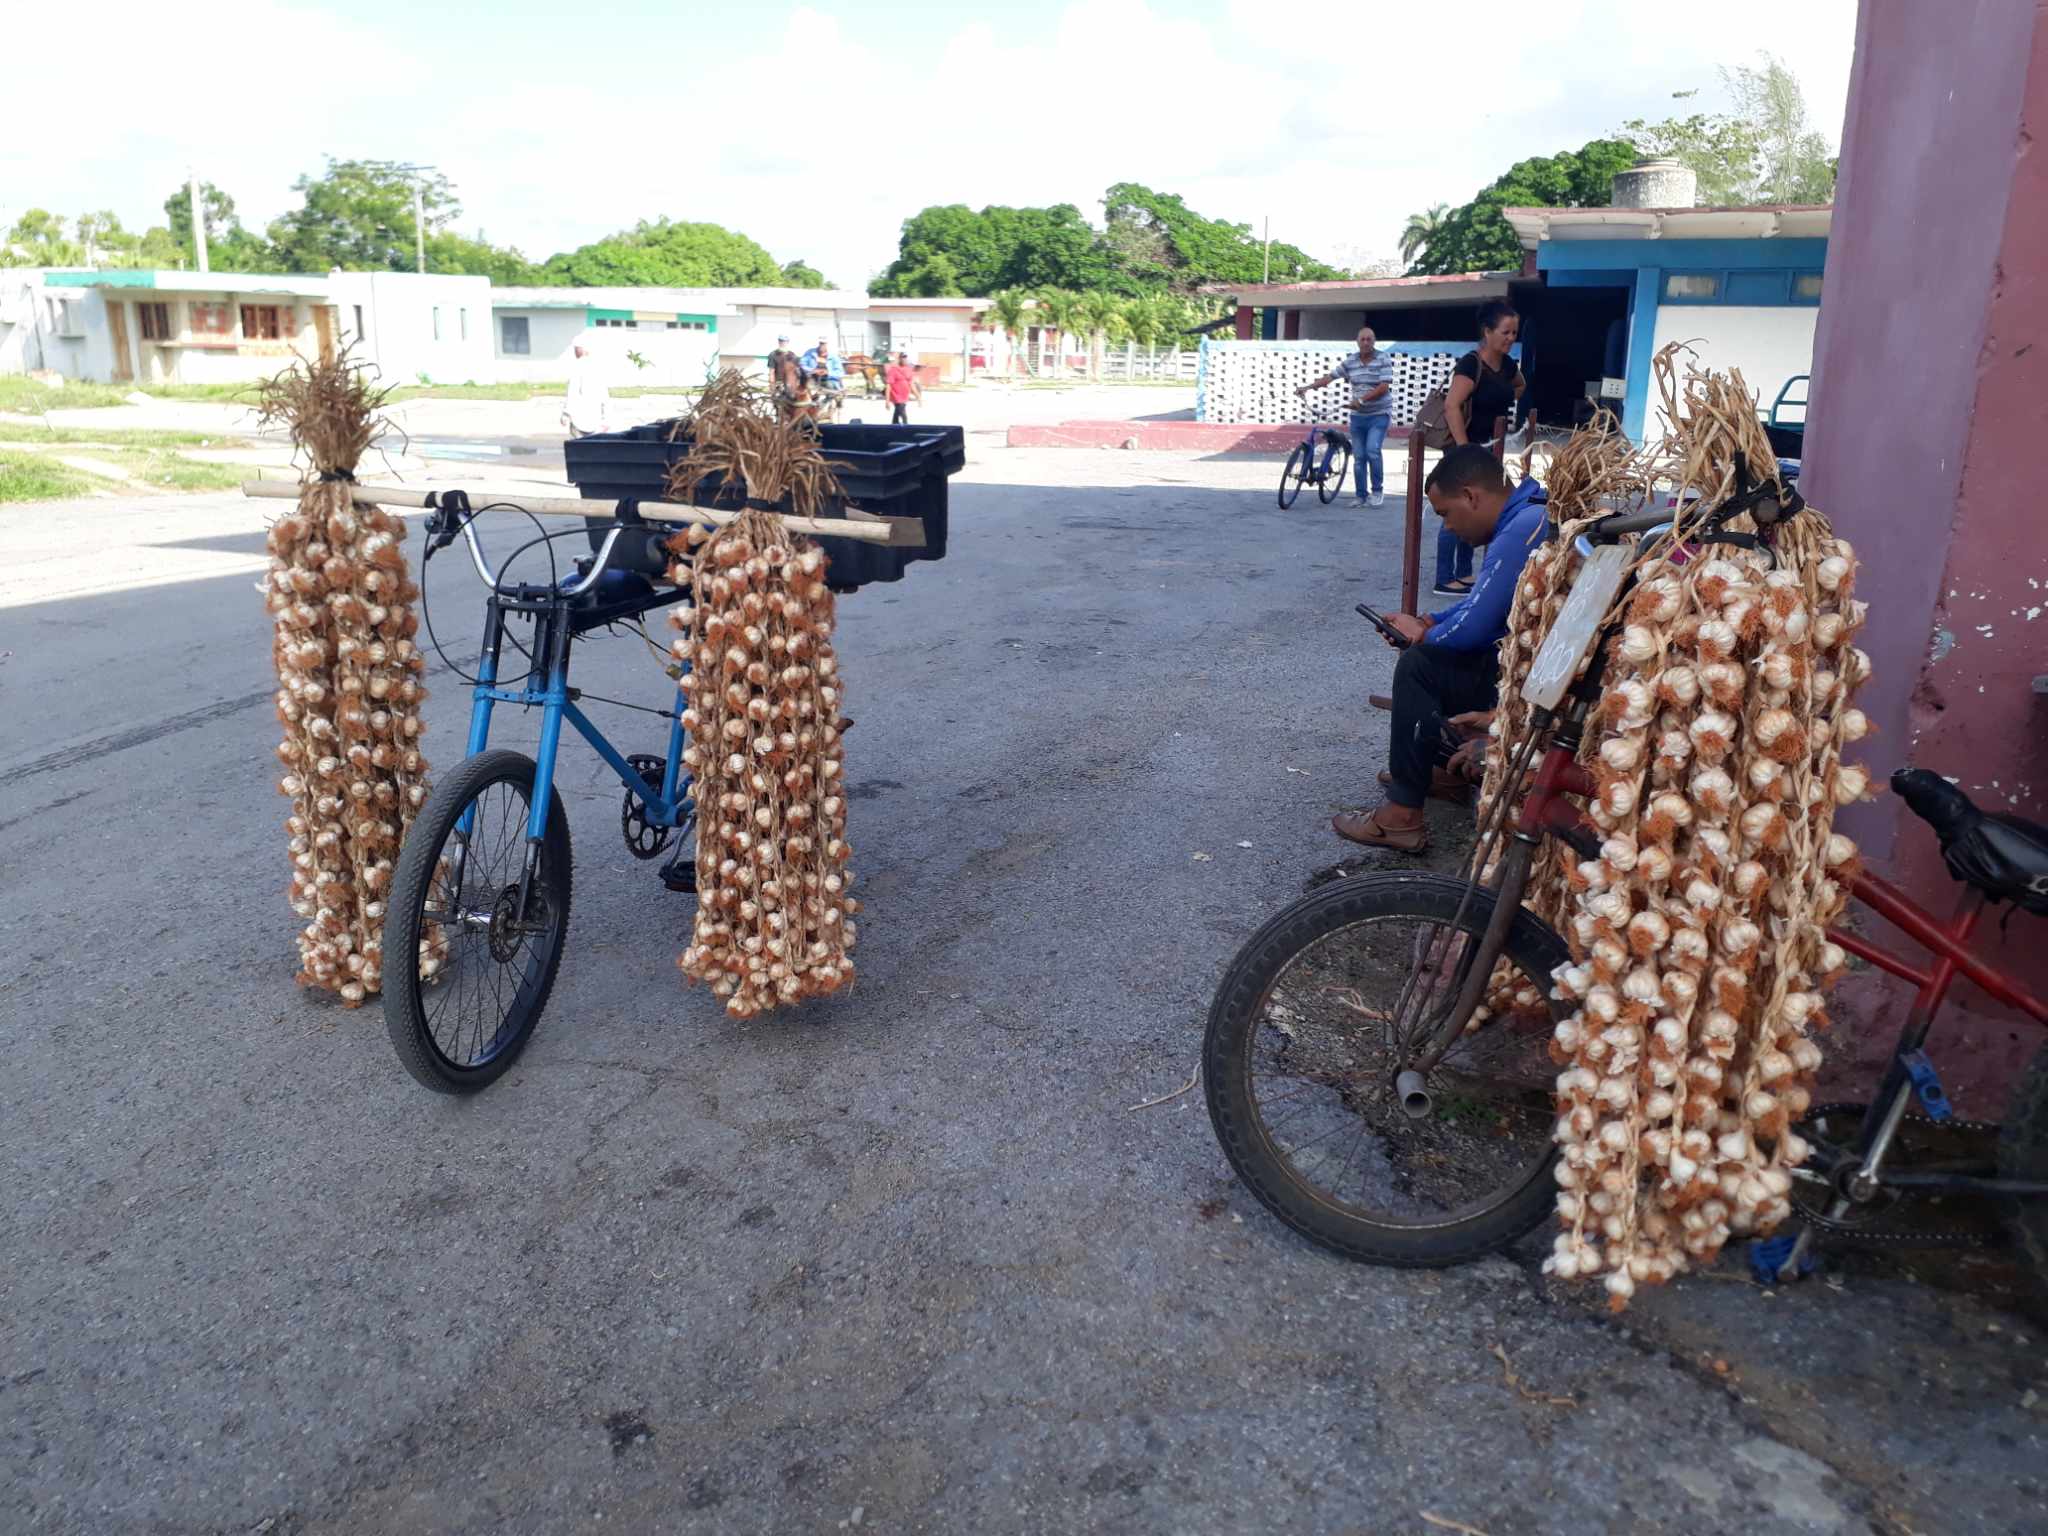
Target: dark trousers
{"points": [[1430, 685], [899, 414], [1453, 558]]}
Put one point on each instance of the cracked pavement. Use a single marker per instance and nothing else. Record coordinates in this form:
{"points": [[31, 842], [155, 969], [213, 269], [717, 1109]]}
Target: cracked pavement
{"points": [[907, 1261]]}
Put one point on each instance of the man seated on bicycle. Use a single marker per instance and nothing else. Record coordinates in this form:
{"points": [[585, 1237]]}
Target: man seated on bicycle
{"points": [[1451, 664], [824, 368]]}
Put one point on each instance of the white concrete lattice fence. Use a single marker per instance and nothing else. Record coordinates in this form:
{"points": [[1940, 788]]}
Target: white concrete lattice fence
{"points": [[1255, 381]]}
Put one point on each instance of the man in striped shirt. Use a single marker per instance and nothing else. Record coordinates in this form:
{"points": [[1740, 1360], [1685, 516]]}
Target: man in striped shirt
{"points": [[1369, 376]]}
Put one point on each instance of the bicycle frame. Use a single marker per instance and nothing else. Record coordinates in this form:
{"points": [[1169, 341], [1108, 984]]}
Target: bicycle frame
{"points": [[553, 635], [1548, 811]]}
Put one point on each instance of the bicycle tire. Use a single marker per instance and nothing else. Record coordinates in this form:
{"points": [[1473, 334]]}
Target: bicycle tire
{"points": [[1295, 475], [1331, 486], [1232, 1030], [2023, 1154], [409, 1015]]}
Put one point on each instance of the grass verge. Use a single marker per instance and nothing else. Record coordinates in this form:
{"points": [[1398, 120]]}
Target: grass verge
{"points": [[31, 477]]}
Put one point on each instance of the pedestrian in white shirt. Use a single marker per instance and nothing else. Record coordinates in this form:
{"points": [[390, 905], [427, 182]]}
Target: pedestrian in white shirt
{"points": [[584, 411]]}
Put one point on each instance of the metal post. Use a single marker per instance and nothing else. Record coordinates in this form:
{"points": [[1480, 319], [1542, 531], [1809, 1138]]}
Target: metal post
{"points": [[198, 220], [1268, 277], [419, 224], [1411, 532]]}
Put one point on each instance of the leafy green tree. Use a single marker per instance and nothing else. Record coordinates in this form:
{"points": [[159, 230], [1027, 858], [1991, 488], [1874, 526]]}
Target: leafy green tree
{"points": [[1764, 151], [1794, 165], [667, 253], [801, 274], [38, 239], [449, 252], [229, 247], [997, 247], [935, 277], [1477, 238], [1421, 229], [1720, 152], [358, 216], [1167, 244]]}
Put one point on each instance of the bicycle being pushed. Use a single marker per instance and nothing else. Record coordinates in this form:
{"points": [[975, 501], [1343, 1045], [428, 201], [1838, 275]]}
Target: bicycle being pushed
{"points": [[1302, 467], [1356, 1097]]}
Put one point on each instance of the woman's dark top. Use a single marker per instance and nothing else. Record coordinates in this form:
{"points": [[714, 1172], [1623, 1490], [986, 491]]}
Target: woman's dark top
{"points": [[1493, 394]]}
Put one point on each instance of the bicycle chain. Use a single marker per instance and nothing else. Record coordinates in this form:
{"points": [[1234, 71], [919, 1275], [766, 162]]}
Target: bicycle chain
{"points": [[1822, 1222]]}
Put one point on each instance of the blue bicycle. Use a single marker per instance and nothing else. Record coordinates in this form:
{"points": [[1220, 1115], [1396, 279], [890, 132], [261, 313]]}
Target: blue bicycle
{"points": [[1302, 469], [481, 893]]}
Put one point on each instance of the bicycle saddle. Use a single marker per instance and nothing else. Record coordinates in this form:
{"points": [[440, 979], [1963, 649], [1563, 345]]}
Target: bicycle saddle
{"points": [[2005, 857]]}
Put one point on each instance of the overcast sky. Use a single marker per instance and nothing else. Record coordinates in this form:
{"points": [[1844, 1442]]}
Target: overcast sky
{"points": [[817, 128]]}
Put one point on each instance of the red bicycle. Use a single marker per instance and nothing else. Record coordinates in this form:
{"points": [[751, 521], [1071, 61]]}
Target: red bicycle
{"points": [[1352, 1098]]}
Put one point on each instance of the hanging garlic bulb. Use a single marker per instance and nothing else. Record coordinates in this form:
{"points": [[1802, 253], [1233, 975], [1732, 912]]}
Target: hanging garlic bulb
{"points": [[1698, 933], [773, 918], [349, 692]]}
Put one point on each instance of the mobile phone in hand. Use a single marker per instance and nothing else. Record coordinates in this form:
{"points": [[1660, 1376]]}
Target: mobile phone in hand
{"points": [[1394, 637]]}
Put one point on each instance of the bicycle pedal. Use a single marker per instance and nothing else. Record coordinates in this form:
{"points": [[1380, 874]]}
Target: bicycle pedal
{"points": [[1927, 1085], [1767, 1255], [680, 875]]}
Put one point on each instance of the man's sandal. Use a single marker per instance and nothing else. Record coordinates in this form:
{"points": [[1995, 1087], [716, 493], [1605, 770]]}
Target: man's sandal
{"points": [[1366, 830], [1379, 701]]}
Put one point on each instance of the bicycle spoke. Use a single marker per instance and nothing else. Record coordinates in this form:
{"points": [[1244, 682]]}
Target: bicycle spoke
{"points": [[1323, 1056]]}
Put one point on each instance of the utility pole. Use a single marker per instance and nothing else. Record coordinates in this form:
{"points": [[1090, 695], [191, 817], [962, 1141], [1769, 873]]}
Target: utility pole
{"points": [[198, 219], [419, 225], [1268, 275]]}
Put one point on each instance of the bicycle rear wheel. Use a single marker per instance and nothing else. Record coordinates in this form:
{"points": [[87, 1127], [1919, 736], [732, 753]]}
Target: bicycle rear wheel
{"points": [[460, 1028], [1295, 475], [1331, 486], [1300, 1067]]}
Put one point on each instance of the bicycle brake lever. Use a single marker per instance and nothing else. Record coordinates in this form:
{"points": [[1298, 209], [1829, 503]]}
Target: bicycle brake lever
{"points": [[450, 510]]}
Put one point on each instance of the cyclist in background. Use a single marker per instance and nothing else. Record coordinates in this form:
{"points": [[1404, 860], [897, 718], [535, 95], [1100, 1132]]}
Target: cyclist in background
{"points": [[785, 378]]}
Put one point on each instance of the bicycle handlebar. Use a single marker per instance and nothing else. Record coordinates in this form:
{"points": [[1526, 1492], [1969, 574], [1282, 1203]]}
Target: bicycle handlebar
{"points": [[460, 518]]}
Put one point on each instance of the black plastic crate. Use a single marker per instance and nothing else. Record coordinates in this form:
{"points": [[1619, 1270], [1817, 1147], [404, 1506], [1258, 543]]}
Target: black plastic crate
{"points": [[890, 471]]}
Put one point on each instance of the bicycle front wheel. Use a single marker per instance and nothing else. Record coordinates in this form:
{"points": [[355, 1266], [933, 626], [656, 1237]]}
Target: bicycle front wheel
{"points": [[1295, 475], [1300, 1063], [1331, 486], [467, 971]]}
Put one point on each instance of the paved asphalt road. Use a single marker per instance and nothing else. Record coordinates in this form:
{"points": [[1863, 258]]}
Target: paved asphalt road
{"points": [[907, 1261]]}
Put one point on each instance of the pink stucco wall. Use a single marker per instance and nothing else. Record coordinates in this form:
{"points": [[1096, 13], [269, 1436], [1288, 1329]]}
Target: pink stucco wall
{"points": [[1930, 416]]}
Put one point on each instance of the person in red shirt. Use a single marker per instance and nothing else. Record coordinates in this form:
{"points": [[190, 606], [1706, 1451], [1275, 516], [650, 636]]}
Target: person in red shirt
{"points": [[901, 380]]}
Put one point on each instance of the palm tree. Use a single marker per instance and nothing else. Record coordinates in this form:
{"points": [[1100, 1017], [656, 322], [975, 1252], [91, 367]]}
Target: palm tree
{"points": [[1420, 230], [1099, 313], [1008, 309], [1144, 318], [1062, 316]]}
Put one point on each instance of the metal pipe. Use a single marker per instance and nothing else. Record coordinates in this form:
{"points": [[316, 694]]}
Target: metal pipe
{"points": [[1414, 1093]]}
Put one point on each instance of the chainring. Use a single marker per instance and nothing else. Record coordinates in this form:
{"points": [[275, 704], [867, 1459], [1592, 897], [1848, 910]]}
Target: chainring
{"points": [[1898, 1218], [644, 840]]}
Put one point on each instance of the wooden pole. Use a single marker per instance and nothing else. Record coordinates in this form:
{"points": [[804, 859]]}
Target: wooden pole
{"points": [[867, 527], [1411, 531]]}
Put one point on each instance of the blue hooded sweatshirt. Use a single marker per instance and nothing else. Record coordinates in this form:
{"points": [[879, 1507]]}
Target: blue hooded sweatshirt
{"points": [[1479, 618]]}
